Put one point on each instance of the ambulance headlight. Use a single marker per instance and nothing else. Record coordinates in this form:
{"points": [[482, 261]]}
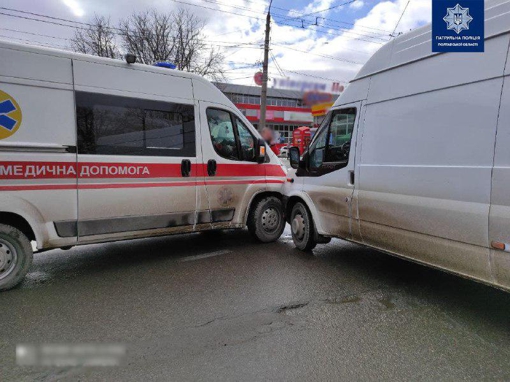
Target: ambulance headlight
{"points": [[130, 58]]}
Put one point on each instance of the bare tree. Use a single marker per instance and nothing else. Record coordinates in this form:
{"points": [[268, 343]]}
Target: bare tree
{"points": [[177, 37], [98, 39], [149, 35]]}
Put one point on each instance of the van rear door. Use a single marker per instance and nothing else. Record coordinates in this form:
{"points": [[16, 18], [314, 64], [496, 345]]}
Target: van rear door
{"points": [[37, 142]]}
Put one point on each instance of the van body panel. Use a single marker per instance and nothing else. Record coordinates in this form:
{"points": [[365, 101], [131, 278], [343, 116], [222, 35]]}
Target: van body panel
{"points": [[39, 188], [497, 17], [507, 68], [403, 82], [380, 60], [205, 91], [415, 45], [454, 256], [19, 63], [435, 184], [499, 222], [356, 92], [411, 45], [42, 106], [17, 203], [127, 78]]}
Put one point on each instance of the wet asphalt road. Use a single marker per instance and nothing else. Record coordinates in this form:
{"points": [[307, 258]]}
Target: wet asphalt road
{"points": [[218, 306]]}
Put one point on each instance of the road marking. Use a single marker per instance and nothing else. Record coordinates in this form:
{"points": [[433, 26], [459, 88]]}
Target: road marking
{"points": [[206, 255]]}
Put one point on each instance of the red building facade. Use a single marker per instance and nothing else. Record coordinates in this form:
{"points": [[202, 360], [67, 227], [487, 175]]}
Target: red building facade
{"points": [[285, 109]]}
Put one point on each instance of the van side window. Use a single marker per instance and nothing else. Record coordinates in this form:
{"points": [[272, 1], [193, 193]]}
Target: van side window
{"points": [[333, 141], [113, 125], [230, 137]]}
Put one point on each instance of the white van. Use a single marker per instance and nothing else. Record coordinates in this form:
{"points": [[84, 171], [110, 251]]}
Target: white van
{"points": [[95, 150], [414, 157]]}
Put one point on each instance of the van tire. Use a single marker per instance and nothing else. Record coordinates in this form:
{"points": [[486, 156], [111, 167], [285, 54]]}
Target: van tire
{"points": [[302, 227], [266, 222], [15, 249]]}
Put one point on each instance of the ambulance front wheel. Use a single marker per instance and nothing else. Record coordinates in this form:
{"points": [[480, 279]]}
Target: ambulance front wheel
{"points": [[266, 222], [303, 230], [15, 256]]}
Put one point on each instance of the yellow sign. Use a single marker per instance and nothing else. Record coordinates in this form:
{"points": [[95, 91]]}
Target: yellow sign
{"points": [[321, 109], [10, 115]]}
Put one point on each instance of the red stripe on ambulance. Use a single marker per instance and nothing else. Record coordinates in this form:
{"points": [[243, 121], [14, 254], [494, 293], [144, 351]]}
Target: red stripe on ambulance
{"points": [[92, 170]]}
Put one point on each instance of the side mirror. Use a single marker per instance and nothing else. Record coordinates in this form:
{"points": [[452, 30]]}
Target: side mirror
{"points": [[261, 151], [294, 157]]}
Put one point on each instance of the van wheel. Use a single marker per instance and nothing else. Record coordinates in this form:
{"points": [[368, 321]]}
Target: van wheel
{"points": [[15, 256], [303, 231], [265, 221]]}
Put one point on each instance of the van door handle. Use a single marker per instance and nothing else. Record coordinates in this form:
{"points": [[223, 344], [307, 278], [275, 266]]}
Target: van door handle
{"points": [[185, 167], [211, 167], [351, 177]]}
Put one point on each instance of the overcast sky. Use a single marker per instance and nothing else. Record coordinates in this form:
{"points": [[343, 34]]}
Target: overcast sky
{"points": [[305, 38]]}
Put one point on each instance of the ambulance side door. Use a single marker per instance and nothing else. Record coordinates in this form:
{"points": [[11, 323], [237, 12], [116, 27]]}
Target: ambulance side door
{"points": [[137, 153], [232, 175]]}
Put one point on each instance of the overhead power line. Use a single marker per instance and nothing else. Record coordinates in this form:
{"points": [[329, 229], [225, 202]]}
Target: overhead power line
{"points": [[320, 55], [33, 42], [314, 76], [33, 34], [398, 22], [261, 19], [325, 10], [83, 25]]}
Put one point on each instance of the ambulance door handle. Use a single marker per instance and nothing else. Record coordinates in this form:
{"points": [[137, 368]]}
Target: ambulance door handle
{"points": [[185, 167], [211, 167]]}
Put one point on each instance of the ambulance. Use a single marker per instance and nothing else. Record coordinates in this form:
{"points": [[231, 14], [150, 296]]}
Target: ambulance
{"points": [[413, 159], [95, 150]]}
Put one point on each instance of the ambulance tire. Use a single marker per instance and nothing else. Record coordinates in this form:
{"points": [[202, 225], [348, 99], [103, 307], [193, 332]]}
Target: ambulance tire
{"points": [[302, 227], [266, 222], [15, 256]]}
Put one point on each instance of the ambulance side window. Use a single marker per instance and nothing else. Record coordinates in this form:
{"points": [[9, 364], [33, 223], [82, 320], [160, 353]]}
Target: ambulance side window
{"points": [[112, 125], [230, 137], [247, 141], [222, 133]]}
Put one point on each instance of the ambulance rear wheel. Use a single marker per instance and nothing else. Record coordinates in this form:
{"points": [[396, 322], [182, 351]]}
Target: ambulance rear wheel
{"points": [[303, 230], [266, 222], [15, 256]]}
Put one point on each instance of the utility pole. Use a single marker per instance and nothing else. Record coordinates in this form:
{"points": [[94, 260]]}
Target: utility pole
{"points": [[263, 93]]}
